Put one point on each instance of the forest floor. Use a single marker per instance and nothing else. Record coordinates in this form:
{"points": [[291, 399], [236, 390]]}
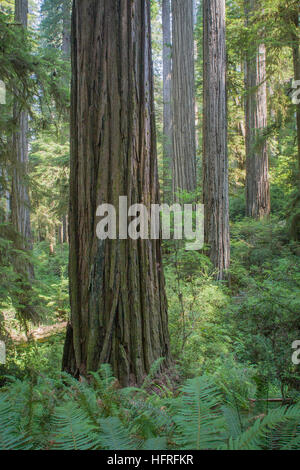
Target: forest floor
{"points": [[38, 334], [34, 332]]}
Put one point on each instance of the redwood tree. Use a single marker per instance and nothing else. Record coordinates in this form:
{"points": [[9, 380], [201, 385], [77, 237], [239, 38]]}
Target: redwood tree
{"points": [[167, 81], [215, 155], [66, 46], [118, 303], [183, 97], [296, 62], [20, 212], [24, 300], [257, 161]]}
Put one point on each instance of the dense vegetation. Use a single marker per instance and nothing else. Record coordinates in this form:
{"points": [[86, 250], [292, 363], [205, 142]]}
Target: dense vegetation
{"points": [[231, 382]]}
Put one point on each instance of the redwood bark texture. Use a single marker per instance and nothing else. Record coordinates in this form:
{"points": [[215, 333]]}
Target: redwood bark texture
{"points": [[167, 97], [215, 155], [20, 204], [118, 302], [183, 97], [257, 162]]}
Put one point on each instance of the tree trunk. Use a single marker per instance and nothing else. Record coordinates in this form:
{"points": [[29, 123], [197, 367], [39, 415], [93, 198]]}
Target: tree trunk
{"points": [[66, 50], [257, 163], [65, 233], [66, 41], [183, 93], [296, 62], [20, 204], [62, 231], [118, 302], [215, 154], [167, 74], [197, 136]]}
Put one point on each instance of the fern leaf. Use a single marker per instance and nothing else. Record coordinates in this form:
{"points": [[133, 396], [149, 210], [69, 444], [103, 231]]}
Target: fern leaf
{"points": [[199, 421]]}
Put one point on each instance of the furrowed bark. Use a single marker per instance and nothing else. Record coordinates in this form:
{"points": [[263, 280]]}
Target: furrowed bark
{"points": [[215, 155], [258, 203], [118, 302], [167, 96], [183, 94]]}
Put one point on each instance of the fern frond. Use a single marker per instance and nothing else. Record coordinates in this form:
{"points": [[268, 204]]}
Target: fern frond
{"points": [[198, 419], [157, 443], [12, 436], [104, 378], [154, 369], [232, 419], [255, 437], [114, 435], [73, 429]]}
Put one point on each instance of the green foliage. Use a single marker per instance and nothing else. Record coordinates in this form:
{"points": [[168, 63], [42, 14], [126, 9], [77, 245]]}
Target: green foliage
{"points": [[236, 382], [11, 436], [237, 338], [68, 415], [55, 16], [198, 418], [50, 294], [282, 424], [196, 312], [36, 80], [265, 313], [16, 288], [53, 288], [73, 429], [17, 63]]}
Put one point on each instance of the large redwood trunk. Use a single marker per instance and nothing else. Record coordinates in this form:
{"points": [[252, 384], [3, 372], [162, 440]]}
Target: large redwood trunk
{"points": [[118, 303], [257, 162], [215, 155], [183, 97], [167, 96]]}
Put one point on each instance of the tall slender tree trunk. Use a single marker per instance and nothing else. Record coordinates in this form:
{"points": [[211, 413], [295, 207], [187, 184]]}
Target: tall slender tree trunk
{"points": [[290, 13], [20, 203], [66, 51], [257, 162], [118, 303], [66, 42], [215, 155], [195, 10], [65, 230], [167, 80], [296, 62], [183, 94]]}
